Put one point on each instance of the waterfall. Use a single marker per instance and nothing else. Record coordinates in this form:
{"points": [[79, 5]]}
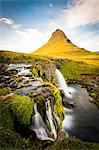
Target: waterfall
{"points": [[23, 71], [68, 91], [50, 118], [39, 126]]}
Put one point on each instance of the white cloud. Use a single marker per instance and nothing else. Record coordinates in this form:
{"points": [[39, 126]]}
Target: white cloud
{"points": [[82, 13], [20, 39], [6, 21]]}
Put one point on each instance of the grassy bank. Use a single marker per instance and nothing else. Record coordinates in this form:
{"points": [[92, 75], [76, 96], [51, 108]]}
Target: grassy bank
{"points": [[12, 140]]}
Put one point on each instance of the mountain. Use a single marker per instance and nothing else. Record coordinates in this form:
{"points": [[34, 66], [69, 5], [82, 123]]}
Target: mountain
{"points": [[59, 46]]}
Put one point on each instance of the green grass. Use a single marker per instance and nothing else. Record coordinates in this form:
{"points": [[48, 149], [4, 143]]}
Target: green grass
{"points": [[73, 70], [14, 57], [74, 144], [11, 140]]}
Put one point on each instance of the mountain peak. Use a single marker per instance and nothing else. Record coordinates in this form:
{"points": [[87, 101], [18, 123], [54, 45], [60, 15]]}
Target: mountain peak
{"points": [[59, 36], [59, 32], [59, 46]]}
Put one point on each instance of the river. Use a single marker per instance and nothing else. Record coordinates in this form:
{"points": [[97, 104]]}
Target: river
{"points": [[83, 120]]}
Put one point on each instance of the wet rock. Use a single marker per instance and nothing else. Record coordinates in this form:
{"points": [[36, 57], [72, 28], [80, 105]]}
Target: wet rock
{"points": [[64, 103], [62, 135], [13, 84], [28, 75], [71, 104]]}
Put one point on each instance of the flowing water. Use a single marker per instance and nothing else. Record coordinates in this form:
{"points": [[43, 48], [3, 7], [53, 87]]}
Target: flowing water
{"points": [[50, 118], [83, 120], [68, 91], [39, 126]]}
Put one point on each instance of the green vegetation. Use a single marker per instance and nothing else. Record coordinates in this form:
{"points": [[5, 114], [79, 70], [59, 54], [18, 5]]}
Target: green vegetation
{"points": [[73, 144], [95, 95], [4, 91], [11, 140], [13, 57], [42, 66], [35, 72], [74, 70], [59, 107], [6, 119], [22, 107], [25, 84]]}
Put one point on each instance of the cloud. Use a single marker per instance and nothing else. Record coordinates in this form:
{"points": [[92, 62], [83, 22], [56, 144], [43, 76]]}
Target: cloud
{"points": [[6, 21], [82, 13], [17, 38], [79, 14]]}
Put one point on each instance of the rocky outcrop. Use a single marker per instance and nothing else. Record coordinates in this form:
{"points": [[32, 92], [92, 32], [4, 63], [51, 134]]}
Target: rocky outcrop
{"points": [[35, 101]]}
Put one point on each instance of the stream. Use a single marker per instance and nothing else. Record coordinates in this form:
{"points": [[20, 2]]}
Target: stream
{"points": [[83, 120]]}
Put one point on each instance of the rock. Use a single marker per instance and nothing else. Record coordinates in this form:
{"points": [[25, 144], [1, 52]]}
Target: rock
{"points": [[62, 135], [71, 104], [65, 103]]}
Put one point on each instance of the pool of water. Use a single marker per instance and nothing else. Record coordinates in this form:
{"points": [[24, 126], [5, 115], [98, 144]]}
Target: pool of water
{"points": [[83, 120]]}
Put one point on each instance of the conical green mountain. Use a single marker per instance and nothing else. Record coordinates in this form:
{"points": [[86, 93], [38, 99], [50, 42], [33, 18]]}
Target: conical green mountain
{"points": [[59, 46]]}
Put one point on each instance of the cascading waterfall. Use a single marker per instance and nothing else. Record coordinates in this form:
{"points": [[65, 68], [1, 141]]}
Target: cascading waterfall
{"points": [[68, 91], [50, 118], [23, 71], [39, 126]]}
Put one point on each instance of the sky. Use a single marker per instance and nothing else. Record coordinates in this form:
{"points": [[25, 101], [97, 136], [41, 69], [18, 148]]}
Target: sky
{"points": [[26, 25]]}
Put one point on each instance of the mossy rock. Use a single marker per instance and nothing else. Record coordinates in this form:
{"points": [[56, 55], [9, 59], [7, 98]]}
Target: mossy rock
{"points": [[18, 79], [4, 91], [22, 108], [35, 72], [25, 84], [58, 107]]}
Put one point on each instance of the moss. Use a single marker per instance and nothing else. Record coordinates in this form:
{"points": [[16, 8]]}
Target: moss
{"points": [[25, 84], [58, 107], [5, 91], [74, 144], [22, 107], [6, 119], [35, 72], [18, 79], [95, 95], [11, 140]]}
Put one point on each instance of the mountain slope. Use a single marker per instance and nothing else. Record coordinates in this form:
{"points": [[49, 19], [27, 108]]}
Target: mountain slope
{"points": [[59, 46]]}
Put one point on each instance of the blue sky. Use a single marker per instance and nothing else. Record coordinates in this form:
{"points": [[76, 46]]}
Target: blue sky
{"points": [[26, 25]]}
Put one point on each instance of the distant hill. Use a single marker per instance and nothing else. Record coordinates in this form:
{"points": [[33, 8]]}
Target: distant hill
{"points": [[59, 46]]}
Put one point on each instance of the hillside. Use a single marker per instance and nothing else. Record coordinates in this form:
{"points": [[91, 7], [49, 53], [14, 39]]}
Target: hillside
{"points": [[59, 46]]}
